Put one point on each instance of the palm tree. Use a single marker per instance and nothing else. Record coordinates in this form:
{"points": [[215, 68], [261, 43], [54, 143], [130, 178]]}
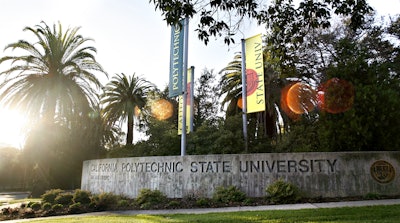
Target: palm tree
{"points": [[120, 98], [55, 78], [231, 85], [231, 88], [52, 80]]}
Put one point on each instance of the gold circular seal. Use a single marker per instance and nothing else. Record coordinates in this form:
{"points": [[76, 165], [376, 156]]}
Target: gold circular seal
{"points": [[382, 171]]}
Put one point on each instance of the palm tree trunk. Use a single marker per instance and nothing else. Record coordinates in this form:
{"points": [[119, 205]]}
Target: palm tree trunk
{"points": [[129, 134], [50, 111]]}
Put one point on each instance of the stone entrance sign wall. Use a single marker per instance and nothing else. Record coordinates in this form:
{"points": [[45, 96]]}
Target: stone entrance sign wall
{"points": [[316, 174]]}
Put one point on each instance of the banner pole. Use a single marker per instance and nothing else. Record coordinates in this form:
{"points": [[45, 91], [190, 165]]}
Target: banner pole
{"points": [[244, 96], [184, 87], [191, 98]]}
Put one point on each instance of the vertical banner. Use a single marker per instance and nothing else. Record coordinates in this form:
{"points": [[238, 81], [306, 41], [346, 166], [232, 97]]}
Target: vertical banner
{"points": [[255, 74], [176, 60], [189, 104]]}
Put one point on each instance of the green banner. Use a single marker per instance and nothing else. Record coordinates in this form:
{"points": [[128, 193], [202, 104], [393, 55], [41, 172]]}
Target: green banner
{"points": [[176, 60]]}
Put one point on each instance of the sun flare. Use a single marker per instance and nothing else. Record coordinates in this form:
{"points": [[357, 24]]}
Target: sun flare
{"points": [[11, 128]]}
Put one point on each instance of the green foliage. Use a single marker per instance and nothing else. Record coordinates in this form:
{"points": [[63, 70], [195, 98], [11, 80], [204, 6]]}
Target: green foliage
{"points": [[163, 138], [220, 137], [105, 201], [369, 63], [50, 196], [372, 196], [123, 203], [228, 195], [29, 204], [248, 201], [64, 198], [57, 207], [281, 192], [202, 141], [150, 199], [46, 206], [121, 95], [206, 99], [372, 123], [304, 136], [81, 196], [291, 21], [173, 204], [35, 206], [53, 149], [27, 213], [203, 202], [76, 208]]}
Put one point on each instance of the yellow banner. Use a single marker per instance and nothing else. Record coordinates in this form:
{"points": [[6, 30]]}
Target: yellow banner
{"points": [[188, 110], [255, 74]]}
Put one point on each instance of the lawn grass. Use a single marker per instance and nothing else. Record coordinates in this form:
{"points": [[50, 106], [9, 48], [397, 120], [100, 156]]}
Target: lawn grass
{"points": [[381, 214], [26, 200]]}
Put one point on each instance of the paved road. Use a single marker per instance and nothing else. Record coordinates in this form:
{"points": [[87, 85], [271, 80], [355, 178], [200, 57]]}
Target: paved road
{"points": [[232, 209], [6, 197]]}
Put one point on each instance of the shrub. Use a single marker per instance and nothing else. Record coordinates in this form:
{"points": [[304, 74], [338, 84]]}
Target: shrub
{"points": [[281, 192], [203, 202], [150, 199], [27, 213], [105, 201], [193, 195], [248, 201], [46, 206], [173, 204], [64, 198], [50, 196], [92, 205], [123, 203], [228, 195], [29, 204], [7, 211], [57, 207], [76, 208], [372, 196], [82, 197], [35, 206]]}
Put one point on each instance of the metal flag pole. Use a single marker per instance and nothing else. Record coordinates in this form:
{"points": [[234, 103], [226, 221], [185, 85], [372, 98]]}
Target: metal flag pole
{"points": [[244, 96], [191, 98], [185, 62]]}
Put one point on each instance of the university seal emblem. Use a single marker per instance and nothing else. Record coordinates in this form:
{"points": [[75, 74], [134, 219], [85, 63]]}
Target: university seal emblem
{"points": [[382, 171]]}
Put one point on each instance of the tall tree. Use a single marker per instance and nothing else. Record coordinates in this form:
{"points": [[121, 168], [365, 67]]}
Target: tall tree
{"points": [[231, 85], [120, 98], [55, 78], [206, 98], [364, 116], [54, 81]]}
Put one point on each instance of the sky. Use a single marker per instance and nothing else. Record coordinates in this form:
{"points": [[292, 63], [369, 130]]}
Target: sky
{"points": [[129, 35]]}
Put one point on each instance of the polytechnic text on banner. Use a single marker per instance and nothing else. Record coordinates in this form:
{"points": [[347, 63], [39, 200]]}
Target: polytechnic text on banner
{"points": [[176, 60], [189, 99], [255, 74]]}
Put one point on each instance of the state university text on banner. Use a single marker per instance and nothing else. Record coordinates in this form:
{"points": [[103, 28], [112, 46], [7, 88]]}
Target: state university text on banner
{"points": [[255, 75]]}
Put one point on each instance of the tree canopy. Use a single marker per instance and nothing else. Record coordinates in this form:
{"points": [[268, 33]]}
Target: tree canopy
{"points": [[287, 20], [55, 77], [122, 95]]}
